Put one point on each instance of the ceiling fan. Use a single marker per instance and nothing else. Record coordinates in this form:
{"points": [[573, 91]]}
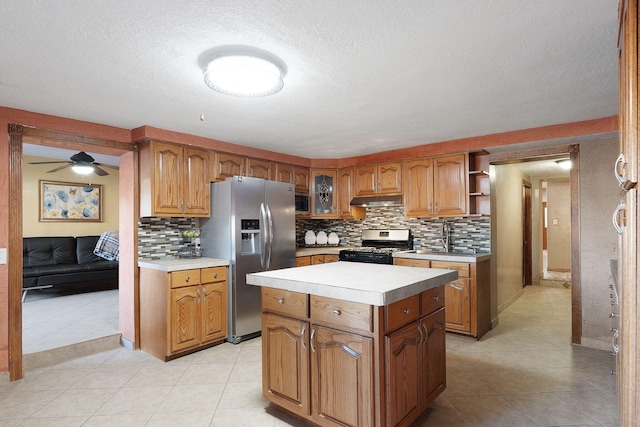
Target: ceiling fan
{"points": [[81, 163]]}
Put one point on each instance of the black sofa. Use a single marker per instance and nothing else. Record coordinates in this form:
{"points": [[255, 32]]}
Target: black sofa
{"points": [[65, 263]]}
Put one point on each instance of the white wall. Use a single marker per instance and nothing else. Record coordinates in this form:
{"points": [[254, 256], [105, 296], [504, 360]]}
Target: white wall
{"points": [[507, 217], [559, 225]]}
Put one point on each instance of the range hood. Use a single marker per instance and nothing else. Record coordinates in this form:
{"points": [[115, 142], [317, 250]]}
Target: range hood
{"points": [[377, 201]]}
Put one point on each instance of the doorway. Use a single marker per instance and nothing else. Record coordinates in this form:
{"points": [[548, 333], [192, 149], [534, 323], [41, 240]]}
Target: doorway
{"points": [[517, 189], [54, 317], [18, 135]]}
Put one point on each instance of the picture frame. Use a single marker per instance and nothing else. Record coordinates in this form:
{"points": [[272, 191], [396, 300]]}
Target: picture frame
{"points": [[70, 202]]}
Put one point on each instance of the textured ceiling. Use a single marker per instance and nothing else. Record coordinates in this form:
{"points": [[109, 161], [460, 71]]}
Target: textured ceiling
{"points": [[363, 76]]}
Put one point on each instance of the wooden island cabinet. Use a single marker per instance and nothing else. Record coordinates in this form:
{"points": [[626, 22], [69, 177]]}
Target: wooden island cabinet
{"points": [[353, 361]]}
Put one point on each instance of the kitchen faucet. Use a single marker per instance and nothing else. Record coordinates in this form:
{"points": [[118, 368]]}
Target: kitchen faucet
{"points": [[444, 238]]}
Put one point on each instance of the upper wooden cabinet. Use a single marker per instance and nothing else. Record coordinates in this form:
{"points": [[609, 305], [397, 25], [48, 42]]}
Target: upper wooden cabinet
{"points": [[174, 180], [284, 173], [436, 186], [260, 169], [301, 175], [226, 165], [323, 195], [297, 175], [345, 194], [385, 178]]}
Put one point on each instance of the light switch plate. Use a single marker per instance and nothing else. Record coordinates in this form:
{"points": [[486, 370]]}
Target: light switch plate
{"points": [[3, 255]]}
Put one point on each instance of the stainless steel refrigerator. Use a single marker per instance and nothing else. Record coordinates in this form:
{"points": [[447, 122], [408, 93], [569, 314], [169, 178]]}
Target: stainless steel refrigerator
{"points": [[252, 225]]}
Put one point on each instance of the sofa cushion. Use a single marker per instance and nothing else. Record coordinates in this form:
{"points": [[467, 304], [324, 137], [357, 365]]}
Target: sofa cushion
{"points": [[85, 247], [39, 251]]}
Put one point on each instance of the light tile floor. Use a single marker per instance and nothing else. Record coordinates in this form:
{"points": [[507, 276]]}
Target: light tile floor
{"points": [[51, 320], [522, 373]]}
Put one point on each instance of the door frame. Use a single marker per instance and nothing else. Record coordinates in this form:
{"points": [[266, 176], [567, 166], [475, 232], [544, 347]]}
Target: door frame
{"points": [[19, 134], [527, 251], [574, 155]]}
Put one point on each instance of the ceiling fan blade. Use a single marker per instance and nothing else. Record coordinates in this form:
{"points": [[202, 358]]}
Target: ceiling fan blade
{"points": [[46, 163], [59, 168], [105, 166], [100, 172]]}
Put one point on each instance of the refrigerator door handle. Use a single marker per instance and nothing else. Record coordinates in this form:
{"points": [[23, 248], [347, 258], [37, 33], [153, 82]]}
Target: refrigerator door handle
{"points": [[263, 235], [269, 237]]}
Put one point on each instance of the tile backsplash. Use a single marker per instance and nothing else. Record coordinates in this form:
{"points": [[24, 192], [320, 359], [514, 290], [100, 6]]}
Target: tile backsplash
{"points": [[468, 234], [159, 237]]}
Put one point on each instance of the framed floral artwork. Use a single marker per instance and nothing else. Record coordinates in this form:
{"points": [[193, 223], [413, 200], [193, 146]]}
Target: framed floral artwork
{"points": [[68, 201]]}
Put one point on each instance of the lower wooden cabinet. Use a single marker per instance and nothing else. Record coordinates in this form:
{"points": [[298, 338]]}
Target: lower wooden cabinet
{"points": [[187, 313], [315, 259], [467, 298], [339, 363]]}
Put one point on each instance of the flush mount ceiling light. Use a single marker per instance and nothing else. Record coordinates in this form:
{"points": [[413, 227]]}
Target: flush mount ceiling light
{"points": [[241, 74], [564, 163]]}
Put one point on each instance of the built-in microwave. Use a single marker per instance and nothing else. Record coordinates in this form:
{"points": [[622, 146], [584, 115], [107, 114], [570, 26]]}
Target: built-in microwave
{"points": [[302, 203]]}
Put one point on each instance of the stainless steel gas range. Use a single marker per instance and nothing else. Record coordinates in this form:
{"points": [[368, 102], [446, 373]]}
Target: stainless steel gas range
{"points": [[378, 246]]}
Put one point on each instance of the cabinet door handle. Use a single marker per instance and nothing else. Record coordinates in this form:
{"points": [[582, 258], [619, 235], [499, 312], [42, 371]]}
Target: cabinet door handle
{"points": [[421, 336], [313, 334], [618, 175], [616, 215], [436, 297], [302, 332], [186, 279], [280, 300], [456, 287], [198, 293], [215, 276], [406, 311], [337, 312], [426, 333]]}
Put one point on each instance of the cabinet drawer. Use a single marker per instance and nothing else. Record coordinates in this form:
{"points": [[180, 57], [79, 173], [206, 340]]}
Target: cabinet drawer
{"points": [[432, 300], [301, 261], [317, 259], [342, 313], [213, 274], [402, 312], [183, 278], [423, 263], [463, 268], [285, 302]]}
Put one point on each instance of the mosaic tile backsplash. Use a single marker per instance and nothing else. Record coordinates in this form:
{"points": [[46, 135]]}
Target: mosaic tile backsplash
{"points": [[159, 237], [468, 234]]}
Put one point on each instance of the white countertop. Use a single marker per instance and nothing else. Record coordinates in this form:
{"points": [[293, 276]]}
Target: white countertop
{"points": [[444, 256], [376, 284], [177, 264], [321, 250]]}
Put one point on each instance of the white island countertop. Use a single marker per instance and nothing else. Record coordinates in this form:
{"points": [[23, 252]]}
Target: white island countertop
{"points": [[176, 264], [376, 284]]}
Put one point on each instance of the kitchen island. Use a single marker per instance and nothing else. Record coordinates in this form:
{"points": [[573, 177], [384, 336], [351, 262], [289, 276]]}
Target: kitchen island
{"points": [[353, 344]]}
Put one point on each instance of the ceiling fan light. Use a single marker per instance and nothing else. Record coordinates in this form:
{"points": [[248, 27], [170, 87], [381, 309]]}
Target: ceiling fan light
{"points": [[243, 75], [82, 169]]}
